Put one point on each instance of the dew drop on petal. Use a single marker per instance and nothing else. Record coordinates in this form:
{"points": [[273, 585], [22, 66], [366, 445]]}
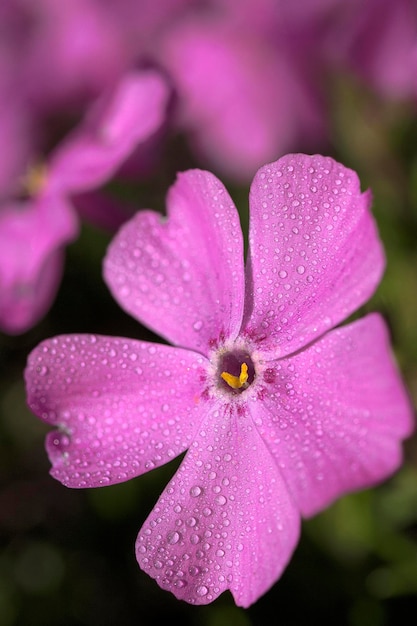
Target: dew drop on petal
{"points": [[195, 491], [173, 537], [60, 441], [202, 590]]}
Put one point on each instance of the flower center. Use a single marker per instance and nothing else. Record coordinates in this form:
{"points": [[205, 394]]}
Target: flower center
{"points": [[236, 371], [35, 179], [237, 382]]}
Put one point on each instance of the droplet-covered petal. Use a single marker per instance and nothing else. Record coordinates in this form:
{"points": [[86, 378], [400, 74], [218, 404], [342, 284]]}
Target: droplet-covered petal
{"points": [[225, 521], [334, 414], [182, 276], [314, 251], [120, 407]]}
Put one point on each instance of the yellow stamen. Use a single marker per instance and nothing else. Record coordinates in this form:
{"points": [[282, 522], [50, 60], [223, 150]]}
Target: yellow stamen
{"points": [[236, 382], [35, 179]]}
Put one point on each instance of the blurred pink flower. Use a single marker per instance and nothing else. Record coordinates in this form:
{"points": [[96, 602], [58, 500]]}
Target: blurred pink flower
{"points": [[66, 52], [376, 41], [281, 410], [34, 231], [61, 52], [245, 96], [32, 237]]}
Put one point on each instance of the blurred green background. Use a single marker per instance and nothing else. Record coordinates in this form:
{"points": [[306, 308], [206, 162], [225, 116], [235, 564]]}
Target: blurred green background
{"points": [[67, 556]]}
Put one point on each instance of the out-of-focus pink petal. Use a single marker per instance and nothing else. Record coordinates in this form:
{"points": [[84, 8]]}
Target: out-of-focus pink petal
{"points": [[141, 22], [24, 298], [121, 407], [335, 414], [112, 131], [32, 236], [377, 40], [70, 50], [182, 275], [15, 142], [269, 15], [225, 521], [235, 94], [314, 252], [101, 210]]}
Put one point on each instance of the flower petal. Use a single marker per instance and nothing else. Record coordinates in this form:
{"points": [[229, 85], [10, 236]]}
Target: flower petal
{"points": [[314, 251], [182, 276], [121, 406], [377, 42], [225, 521], [32, 236], [336, 414], [113, 129], [235, 93]]}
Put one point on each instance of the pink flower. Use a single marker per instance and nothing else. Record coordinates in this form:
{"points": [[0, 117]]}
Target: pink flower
{"points": [[377, 42], [32, 240], [245, 96], [34, 232], [281, 410], [62, 53], [385, 49]]}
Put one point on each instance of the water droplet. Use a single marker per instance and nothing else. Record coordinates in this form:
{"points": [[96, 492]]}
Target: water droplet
{"points": [[283, 274], [195, 491], [202, 590], [198, 325], [60, 441], [301, 269], [173, 537], [220, 500], [42, 370]]}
